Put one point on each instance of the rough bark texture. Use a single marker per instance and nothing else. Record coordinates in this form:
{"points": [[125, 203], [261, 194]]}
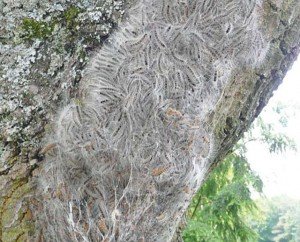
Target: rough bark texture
{"points": [[43, 49]]}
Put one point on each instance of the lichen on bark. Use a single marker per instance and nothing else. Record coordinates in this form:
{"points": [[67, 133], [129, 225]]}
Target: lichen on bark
{"points": [[43, 50]]}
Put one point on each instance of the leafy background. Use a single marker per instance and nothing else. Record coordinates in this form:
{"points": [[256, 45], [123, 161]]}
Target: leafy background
{"points": [[231, 206]]}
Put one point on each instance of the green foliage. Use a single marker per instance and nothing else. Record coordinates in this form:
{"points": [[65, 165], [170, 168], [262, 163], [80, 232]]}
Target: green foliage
{"points": [[276, 141], [218, 209], [223, 209], [281, 221], [279, 109], [272, 132]]}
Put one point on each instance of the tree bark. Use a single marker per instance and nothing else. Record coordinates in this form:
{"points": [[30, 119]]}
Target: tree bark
{"points": [[44, 50]]}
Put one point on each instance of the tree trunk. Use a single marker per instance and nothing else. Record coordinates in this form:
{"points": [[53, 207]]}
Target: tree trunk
{"points": [[115, 151]]}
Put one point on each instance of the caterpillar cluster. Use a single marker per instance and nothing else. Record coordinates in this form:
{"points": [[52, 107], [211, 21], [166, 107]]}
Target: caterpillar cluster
{"points": [[128, 151]]}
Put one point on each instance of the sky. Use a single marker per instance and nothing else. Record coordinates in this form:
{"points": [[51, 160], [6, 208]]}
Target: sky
{"points": [[281, 172]]}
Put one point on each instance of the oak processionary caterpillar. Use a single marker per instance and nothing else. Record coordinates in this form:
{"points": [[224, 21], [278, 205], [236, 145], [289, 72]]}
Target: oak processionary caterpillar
{"points": [[162, 70]]}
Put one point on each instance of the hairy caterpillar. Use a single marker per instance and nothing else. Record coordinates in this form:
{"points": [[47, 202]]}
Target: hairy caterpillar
{"points": [[163, 62]]}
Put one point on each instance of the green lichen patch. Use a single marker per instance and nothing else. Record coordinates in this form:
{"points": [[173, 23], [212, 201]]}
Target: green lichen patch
{"points": [[11, 213], [33, 29], [70, 16]]}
